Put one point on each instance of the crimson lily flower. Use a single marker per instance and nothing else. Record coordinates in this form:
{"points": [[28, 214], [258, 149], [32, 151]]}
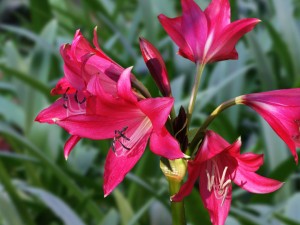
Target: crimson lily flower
{"points": [[156, 66], [205, 37], [216, 165], [82, 63], [126, 119], [281, 109]]}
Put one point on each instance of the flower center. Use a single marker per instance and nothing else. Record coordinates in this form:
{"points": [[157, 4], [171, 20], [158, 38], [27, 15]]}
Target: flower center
{"points": [[216, 181], [120, 137]]}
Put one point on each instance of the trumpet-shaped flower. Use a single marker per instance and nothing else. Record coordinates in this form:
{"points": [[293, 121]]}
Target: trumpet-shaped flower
{"points": [[208, 36], [84, 65], [281, 109], [130, 122], [218, 164], [156, 66]]}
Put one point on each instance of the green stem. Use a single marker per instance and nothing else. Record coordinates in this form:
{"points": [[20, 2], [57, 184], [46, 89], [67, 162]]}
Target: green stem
{"points": [[139, 86], [200, 133], [177, 208], [200, 68]]}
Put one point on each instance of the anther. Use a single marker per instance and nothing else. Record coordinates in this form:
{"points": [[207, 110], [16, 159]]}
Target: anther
{"points": [[77, 100], [118, 135], [65, 98]]}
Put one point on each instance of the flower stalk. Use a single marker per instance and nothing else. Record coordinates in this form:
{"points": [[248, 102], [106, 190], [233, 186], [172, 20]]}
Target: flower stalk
{"points": [[200, 133], [174, 171], [177, 208], [200, 68]]}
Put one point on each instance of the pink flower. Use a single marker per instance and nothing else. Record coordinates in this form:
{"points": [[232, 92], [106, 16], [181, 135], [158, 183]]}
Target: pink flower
{"points": [[205, 37], [130, 122], [281, 109], [218, 164], [156, 66], [82, 62], [84, 65]]}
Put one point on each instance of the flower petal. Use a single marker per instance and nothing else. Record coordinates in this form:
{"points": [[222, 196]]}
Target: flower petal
{"points": [[223, 47], [194, 27], [278, 126], [157, 109], [165, 145], [250, 161], [187, 187], [63, 87], [72, 69], [218, 14], [124, 86], [217, 206], [212, 145], [116, 167], [52, 113], [94, 126], [99, 51], [70, 144], [255, 183]]}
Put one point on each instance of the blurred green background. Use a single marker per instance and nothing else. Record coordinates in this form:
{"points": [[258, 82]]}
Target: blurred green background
{"points": [[38, 187]]}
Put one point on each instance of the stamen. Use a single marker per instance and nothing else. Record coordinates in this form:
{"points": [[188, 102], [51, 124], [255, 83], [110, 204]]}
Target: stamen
{"points": [[218, 183], [76, 98], [118, 135], [65, 98]]}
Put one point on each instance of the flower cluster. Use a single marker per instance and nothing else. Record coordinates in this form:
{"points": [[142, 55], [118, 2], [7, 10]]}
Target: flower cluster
{"points": [[102, 100]]}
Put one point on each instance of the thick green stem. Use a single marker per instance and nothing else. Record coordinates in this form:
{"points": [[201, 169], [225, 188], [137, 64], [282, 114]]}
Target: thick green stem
{"points": [[200, 68], [200, 133], [174, 171], [177, 208]]}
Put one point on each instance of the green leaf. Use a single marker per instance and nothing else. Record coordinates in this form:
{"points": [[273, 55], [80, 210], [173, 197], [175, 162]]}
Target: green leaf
{"points": [[111, 218], [159, 215], [265, 70], [282, 50], [291, 209], [286, 220], [91, 207], [126, 212], [57, 206], [40, 13], [15, 156], [11, 112], [290, 32], [195, 211], [8, 211], [11, 190], [30, 35], [27, 80]]}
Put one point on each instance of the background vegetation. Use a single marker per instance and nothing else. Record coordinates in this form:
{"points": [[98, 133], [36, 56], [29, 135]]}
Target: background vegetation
{"points": [[37, 186]]}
